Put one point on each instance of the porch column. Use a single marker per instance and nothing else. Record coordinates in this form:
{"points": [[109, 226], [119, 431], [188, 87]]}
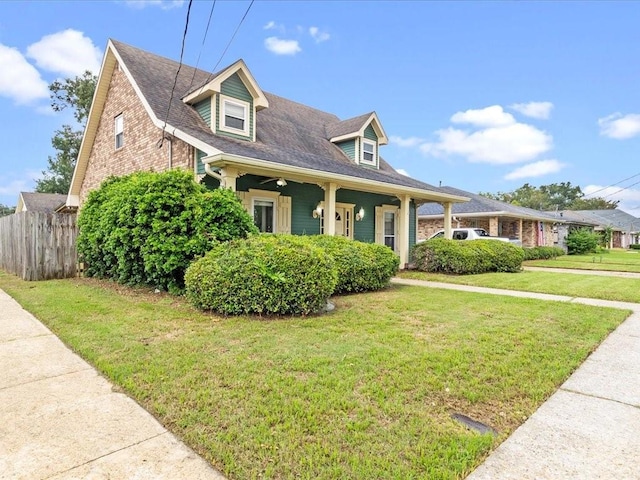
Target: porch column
{"points": [[229, 177], [447, 219], [403, 230], [330, 208], [520, 237], [493, 226]]}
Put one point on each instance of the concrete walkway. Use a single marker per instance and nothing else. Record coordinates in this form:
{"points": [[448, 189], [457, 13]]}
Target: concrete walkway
{"points": [[59, 419], [576, 271], [590, 427]]}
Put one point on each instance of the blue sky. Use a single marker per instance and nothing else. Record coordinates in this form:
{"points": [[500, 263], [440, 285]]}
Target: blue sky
{"points": [[479, 96]]}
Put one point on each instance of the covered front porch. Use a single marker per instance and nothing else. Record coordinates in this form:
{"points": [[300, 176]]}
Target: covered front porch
{"points": [[300, 201]]}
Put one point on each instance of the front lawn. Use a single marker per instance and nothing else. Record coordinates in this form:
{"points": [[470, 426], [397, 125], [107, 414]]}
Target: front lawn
{"points": [[556, 283], [364, 392], [614, 260]]}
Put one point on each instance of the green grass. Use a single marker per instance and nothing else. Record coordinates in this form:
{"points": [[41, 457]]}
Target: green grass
{"points": [[612, 260], [556, 283], [364, 392]]}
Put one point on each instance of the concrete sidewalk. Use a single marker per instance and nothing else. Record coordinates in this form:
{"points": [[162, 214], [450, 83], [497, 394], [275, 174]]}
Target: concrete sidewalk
{"points": [[59, 419], [590, 427]]}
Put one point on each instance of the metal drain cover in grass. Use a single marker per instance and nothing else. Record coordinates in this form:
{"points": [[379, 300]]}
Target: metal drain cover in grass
{"points": [[473, 424]]}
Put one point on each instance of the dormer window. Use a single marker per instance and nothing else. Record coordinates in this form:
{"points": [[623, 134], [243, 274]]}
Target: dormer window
{"points": [[234, 116], [368, 152]]}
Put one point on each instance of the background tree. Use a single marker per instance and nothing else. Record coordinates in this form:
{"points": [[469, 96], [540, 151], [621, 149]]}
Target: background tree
{"points": [[6, 210], [556, 196], [77, 94]]}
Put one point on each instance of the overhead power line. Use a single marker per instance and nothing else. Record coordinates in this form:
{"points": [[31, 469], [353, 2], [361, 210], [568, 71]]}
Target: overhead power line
{"points": [[204, 39], [613, 185], [622, 189], [213, 70], [175, 80]]}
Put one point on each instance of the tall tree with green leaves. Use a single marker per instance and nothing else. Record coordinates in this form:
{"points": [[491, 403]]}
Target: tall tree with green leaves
{"points": [[556, 196], [76, 94], [6, 210]]}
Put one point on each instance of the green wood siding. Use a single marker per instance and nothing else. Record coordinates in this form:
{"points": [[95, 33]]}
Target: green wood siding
{"points": [[304, 199], [370, 134], [204, 110], [365, 229], [348, 147], [199, 165], [234, 87]]}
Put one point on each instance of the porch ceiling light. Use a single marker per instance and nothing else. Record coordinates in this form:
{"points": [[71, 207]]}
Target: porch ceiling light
{"points": [[281, 182], [317, 212], [360, 214]]}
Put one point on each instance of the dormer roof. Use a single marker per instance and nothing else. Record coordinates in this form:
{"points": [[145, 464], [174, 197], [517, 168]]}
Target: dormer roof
{"points": [[214, 85], [355, 127]]}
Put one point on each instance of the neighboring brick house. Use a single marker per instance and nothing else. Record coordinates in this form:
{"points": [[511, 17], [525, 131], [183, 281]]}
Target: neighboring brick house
{"points": [[532, 227], [292, 166], [625, 227]]}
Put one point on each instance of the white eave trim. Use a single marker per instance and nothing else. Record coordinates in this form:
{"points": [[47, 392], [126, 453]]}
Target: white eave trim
{"points": [[313, 176]]}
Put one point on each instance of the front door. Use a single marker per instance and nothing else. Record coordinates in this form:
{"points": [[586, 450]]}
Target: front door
{"points": [[340, 220]]}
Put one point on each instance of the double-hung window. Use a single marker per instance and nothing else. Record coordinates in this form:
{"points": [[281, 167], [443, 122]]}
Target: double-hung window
{"points": [[368, 152], [263, 214], [234, 117], [119, 131]]}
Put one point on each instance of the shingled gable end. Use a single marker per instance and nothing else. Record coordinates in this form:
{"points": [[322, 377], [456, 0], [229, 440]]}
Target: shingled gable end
{"points": [[292, 166]]}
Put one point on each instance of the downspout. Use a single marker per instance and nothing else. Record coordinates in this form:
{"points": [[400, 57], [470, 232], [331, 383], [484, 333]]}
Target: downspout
{"points": [[209, 171]]}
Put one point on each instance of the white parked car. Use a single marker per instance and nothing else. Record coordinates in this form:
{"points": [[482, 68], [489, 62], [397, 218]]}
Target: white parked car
{"points": [[474, 234]]}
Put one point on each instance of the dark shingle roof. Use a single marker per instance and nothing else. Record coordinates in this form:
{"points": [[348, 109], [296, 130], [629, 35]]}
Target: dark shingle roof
{"points": [[287, 133], [346, 127], [615, 218], [480, 204], [42, 202]]}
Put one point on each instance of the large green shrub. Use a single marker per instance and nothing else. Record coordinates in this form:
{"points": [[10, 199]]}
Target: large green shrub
{"points": [[361, 266], [145, 228], [467, 257], [542, 253], [263, 274], [635, 246], [581, 241]]}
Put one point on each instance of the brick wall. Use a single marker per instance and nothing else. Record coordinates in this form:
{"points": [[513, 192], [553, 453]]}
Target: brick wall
{"points": [[141, 136]]}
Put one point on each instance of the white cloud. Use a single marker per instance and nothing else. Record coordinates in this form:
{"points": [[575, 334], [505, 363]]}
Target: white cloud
{"points": [[282, 47], [19, 80], [493, 116], [68, 52], [163, 4], [270, 25], [317, 35], [629, 198], [405, 142], [620, 126], [402, 171], [500, 145], [540, 110], [536, 169]]}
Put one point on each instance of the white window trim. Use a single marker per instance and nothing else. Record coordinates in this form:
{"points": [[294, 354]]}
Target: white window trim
{"points": [[274, 217], [267, 196], [374, 162], [247, 120], [117, 131], [380, 211], [349, 212]]}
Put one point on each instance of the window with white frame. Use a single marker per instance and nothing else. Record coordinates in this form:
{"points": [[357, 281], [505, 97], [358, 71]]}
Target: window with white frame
{"points": [[119, 131], [234, 117], [368, 152], [390, 230], [264, 214]]}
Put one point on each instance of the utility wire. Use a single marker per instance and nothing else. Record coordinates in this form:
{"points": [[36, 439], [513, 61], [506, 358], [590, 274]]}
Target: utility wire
{"points": [[213, 70], [175, 80], [204, 39], [612, 185], [622, 189]]}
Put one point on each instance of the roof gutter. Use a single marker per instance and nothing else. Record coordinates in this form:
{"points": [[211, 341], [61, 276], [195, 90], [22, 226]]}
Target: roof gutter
{"points": [[312, 176]]}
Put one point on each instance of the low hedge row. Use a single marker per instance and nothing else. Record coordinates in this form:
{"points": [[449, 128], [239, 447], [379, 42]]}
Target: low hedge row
{"points": [[635, 246], [285, 274], [440, 255], [542, 253]]}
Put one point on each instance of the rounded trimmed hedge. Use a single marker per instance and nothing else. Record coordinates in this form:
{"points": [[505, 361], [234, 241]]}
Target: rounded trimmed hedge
{"points": [[145, 228], [440, 255], [361, 266], [263, 274]]}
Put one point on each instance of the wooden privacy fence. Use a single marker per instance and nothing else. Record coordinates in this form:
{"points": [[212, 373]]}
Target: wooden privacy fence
{"points": [[39, 246]]}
